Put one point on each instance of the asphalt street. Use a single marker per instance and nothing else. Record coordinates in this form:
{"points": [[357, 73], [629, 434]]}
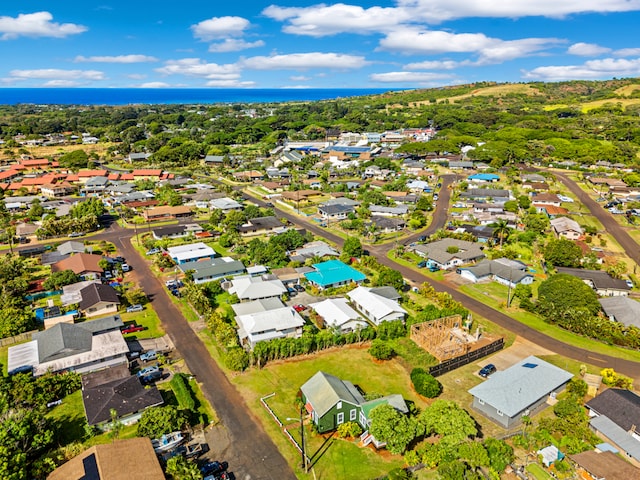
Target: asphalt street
{"points": [[251, 453]]}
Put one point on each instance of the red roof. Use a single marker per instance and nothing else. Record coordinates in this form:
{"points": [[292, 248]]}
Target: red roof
{"points": [[113, 176], [41, 162], [127, 176], [92, 173], [147, 172]]}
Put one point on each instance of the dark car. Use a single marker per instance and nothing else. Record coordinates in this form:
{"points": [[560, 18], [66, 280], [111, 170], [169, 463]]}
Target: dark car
{"points": [[422, 239], [298, 288], [487, 370], [214, 468], [423, 264], [151, 377]]}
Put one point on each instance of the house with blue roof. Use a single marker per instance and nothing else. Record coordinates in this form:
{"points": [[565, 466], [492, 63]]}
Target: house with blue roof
{"points": [[522, 389], [483, 177], [333, 273]]}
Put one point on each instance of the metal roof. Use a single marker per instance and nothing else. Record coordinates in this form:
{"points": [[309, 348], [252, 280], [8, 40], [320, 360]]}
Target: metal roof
{"points": [[323, 391], [514, 390]]}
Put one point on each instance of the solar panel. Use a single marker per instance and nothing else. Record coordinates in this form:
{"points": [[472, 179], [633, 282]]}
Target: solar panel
{"points": [[530, 365]]}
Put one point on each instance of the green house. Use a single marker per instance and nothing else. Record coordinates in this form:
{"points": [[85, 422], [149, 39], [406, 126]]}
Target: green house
{"points": [[331, 401]]}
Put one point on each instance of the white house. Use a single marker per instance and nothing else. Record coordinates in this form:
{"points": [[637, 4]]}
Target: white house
{"points": [[249, 288], [267, 319], [375, 307], [191, 252], [337, 313]]}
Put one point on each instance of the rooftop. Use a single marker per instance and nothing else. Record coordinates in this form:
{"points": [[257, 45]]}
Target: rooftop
{"points": [[332, 272]]}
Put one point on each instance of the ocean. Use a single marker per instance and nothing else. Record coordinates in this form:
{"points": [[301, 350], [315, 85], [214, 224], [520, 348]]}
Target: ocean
{"points": [[187, 96]]}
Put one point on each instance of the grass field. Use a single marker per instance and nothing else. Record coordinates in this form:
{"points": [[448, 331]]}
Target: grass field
{"points": [[340, 458], [492, 298], [147, 318], [538, 472]]}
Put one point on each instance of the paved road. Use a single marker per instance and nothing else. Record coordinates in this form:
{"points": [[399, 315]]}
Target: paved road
{"points": [[251, 454], [611, 226], [626, 367]]}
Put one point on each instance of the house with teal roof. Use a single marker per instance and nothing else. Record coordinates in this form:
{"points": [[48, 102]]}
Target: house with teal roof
{"points": [[333, 273], [483, 177]]}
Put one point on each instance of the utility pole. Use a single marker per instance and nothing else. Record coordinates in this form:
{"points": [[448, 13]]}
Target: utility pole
{"points": [[302, 447]]}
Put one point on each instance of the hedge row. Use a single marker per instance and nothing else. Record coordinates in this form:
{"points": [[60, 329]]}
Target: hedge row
{"points": [[180, 387]]}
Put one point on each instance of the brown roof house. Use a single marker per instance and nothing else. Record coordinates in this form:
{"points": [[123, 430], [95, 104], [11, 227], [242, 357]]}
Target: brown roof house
{"points": [[97, 300], [596, 465], [84, 264], [116, 389], [119, 460]]}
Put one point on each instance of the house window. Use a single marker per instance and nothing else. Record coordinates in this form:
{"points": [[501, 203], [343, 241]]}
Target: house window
{"points": [[481, 402], [500, 414], [340, 419], [339, 406], [352, 414]]}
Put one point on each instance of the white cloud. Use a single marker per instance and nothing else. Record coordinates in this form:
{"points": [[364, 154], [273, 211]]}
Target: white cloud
{"points": [[116, 59], [220, 27], [593, 69], [587, 49], [230, 84], [627, 52], [154, 85], [299, 78], [304, 61], [322, 20], [194, 67], [136, 76], [234, 45], [58, 74], [408, 77], [61, 83], [38, 24], [436, 65], [490, 50]]}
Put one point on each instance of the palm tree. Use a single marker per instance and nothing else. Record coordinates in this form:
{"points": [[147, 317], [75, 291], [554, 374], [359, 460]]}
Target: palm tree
{"points": [[502, 230]]}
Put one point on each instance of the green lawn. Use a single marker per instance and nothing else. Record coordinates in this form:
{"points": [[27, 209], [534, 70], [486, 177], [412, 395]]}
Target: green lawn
{"points": [[341, 459], [147, 318], [538, 472], [496, 301]]}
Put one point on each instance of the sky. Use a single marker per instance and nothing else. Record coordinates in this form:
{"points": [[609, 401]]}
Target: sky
{"points": [[303, 44]]}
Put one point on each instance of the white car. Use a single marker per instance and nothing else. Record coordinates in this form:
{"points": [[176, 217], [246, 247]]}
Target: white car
{"points": [[125, 267], [564, 198]]}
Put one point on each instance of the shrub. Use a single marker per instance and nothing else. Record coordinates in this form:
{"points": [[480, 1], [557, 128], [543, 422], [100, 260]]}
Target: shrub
{"points": [[380, 350], [182, 392], [349, 429], [425, 383]]}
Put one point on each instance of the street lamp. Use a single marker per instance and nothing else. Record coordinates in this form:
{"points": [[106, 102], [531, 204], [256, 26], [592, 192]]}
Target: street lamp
{"points": [[302, 447]]}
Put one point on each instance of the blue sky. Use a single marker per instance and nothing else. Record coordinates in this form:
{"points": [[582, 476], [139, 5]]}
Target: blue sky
{"points": [[304, 44]]}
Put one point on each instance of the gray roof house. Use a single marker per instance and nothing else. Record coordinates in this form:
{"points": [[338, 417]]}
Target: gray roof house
{"points": [[337, 313], [331, 401], [603, 283], [318, 249], [262, 226], [335, 212], [484, 194], [376, 308], [504, 271], [621, 309], [67, 248], [249, 288], [214, 269], [615, 416], [98, 299], [567, 228], [115, 388], [383, 211], [267, 319], [522, 389], [81, 347], [438, 252]]}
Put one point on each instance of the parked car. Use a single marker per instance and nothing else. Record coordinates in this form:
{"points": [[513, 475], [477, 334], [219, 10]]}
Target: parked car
{"points": [[423, 264], [214, 468], [148, 356], [487, 370], [434, 268], [269, 204], [153, 251], [298, 287], [108, 274], [299, 307], [135, 308], [151, 377], [125, 267], [292, 291], [76, 234], [422, 238], [148, 370], [132, 328], [629, 283]]}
